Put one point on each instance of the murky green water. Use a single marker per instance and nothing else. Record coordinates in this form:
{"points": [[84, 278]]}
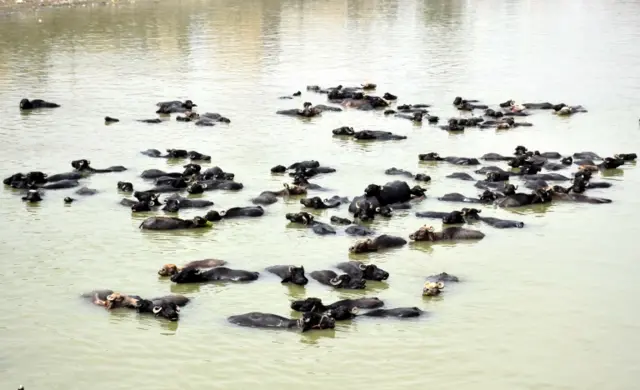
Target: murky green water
{"points": [[551, 306]]}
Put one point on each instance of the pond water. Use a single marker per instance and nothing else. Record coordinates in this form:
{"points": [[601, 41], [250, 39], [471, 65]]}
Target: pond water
{"points": [[550, 306]]}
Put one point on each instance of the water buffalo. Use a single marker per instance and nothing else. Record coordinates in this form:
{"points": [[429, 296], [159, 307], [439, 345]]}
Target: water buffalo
{"points": [[427, 233], [172, 269], [235, 212], [170, 223], [216, 274], [330, 278], [308, 321], [359, 270], [381, 242], [289, 274]]}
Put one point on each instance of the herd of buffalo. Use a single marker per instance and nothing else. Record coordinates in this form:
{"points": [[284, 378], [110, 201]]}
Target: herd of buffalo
{"points": [[539, 172]]}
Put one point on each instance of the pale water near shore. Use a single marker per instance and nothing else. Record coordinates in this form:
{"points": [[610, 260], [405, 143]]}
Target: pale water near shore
{"points": [[550, 306]]}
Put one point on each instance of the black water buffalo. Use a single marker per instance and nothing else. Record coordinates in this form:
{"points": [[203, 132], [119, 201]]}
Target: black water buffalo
{"points": [[538, 196], [461, 176], [196, 275], [427, 233], [172, 269], [210, 185], [360, 270], [26, 104], [175, 106], [176, 202], [235, 212], [270, 197], [289, 274], [170, 153], [170, 223], [166, 307], [84, 165], [470, 214], [307, 219], [383, 241], [452, 160], [400, 312], [392, 192], [308, 321], [125, 186], [330, 278], [486, 198], [318, 203], [316, 305], [359, 230]]}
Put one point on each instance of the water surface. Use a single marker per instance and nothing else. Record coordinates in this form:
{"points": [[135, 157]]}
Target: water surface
{"points": [[551, 306]]}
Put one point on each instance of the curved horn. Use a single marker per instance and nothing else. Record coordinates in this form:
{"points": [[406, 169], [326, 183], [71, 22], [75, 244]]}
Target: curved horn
{"points": [[305, 220], [157, 309], [335, 281], [111, 297], [440, 285], [177, 309], [430, 229], [354, 310], [362, 266]]}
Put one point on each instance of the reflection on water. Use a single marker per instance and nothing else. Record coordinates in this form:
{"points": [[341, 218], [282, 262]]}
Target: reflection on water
{"points": [[185, 288], [612, 172], [535, 209], [422, 245], [168, 235], [317, 336], [236, 59], [294, 291]]}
